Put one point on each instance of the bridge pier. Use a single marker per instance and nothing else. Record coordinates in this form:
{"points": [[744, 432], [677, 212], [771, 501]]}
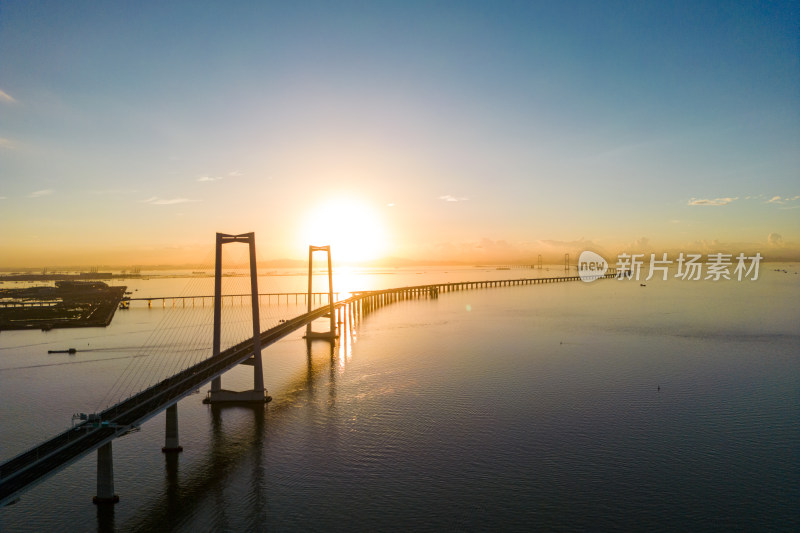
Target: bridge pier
{"points": [[171, 444], [105, 476]]}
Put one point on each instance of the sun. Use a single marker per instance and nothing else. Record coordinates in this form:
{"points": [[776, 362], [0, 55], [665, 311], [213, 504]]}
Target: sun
{"points": [[354, 231]]}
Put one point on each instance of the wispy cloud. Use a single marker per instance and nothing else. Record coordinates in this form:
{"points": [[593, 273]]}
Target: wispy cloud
{"points": [[449, 198], [779, 200], [581, 244], [39, 194], [7, 98], [104, 192], [155, 200], [3, 198], [715, 201], [7, 143], [234, 174]]}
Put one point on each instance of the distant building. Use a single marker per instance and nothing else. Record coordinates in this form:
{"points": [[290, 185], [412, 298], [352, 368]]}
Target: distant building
{"points": [[95, 275]]}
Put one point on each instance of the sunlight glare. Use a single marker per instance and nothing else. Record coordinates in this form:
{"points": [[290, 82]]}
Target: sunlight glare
{"points": [[352, 229]]}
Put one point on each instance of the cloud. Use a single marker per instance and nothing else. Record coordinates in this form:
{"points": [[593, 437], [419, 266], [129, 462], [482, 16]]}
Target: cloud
{"points": [[781, 201], [155, 200], [483, 251], [3, 197], [577, 246], [7, 98], [39, 194], [102, 192], [775, 239], [7, 143], [642, 243], [715, 201], [234, 174], [448, 198]]}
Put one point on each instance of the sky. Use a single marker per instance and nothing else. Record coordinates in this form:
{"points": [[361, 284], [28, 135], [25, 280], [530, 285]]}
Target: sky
{"points": [[131, 132]]}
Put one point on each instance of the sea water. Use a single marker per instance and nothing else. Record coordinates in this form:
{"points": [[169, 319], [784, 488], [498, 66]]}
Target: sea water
{"points": [[673, 406]]}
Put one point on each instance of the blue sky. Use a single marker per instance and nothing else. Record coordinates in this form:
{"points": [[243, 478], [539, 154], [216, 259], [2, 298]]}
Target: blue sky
{"points": [[135, 130]]}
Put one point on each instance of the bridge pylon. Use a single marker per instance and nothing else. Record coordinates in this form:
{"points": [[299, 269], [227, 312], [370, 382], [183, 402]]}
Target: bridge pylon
{"points": [[331, 333], [217, 394]]}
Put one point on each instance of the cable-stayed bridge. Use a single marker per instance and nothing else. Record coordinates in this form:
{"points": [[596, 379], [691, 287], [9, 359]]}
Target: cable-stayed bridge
{"points": [[98, 430]]}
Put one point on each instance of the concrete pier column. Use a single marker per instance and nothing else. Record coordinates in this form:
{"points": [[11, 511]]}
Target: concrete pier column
{"points": [[258, 369], [171, 439], [350, 317], [105, 476], [216, 383]]}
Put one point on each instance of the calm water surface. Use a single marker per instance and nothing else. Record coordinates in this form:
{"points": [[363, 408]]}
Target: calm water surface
{"points": [[572, 406]]}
